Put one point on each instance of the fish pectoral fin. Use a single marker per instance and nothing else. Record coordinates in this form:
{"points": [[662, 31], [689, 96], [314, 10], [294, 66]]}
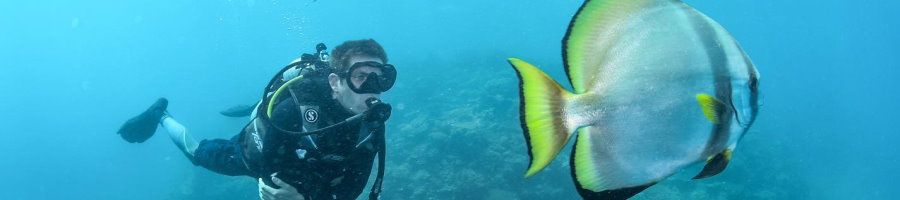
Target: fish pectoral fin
{"points": [[715, 164], [712, 107], [541, 102]]}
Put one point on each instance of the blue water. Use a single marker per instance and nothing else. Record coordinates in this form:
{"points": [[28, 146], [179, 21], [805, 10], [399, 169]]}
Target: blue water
{"points": [[72, 71]]}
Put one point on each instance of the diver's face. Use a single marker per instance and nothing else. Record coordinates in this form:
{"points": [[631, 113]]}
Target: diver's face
{"points": [[352, 101]]}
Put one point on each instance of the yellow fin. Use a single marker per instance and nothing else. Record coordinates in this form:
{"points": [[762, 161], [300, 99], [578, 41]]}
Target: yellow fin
{"points": [[711, 107], [541, 106]]}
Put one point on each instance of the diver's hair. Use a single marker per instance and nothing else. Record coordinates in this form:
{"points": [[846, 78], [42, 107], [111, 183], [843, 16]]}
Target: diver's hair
{"points": [[340, 55]]}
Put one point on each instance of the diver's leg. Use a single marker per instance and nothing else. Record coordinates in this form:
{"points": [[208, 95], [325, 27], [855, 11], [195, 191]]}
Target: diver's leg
{"points": [[218, 155], [221, 156], [180, 136]]}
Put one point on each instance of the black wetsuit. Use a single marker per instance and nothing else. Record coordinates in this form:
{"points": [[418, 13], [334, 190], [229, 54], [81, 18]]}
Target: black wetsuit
{"points": [[333, 165]]}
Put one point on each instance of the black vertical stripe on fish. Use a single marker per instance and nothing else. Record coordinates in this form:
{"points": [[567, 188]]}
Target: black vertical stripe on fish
{"points": [[718, 61]]}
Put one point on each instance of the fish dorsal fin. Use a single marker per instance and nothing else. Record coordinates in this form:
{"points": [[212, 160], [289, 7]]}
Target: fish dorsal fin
{"points": [[712, 107], [590, 33]]}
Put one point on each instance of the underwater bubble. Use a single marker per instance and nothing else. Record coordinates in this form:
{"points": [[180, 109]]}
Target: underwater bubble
{"points": [[75, 22], [85, 85]]}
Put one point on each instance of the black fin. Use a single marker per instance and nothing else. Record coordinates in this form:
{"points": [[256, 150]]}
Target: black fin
{"points": [[621, 193], [140, 128], [715, 165], [238, 111]]}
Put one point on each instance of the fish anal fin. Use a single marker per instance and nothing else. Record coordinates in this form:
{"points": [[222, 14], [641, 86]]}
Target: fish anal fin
{"points": [[715, 165], [586, 172], [712, 108], [614, 194]]}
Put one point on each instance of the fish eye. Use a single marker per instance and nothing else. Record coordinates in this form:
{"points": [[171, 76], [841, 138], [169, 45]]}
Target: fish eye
{"points": [[754, 84]]}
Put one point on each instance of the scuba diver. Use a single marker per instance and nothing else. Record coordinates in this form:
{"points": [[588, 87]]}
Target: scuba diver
{"points": [[314, 135]]}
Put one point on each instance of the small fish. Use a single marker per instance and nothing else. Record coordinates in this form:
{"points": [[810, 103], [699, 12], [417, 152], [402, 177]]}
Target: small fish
{"points": [[657, 86], [239, 110]]}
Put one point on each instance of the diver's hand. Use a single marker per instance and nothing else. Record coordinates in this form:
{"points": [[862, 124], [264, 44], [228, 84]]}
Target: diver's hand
{"points": [[286, 192]]}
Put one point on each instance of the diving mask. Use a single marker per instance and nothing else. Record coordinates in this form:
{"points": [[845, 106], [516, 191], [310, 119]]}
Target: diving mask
{"points": [[363, 82]]}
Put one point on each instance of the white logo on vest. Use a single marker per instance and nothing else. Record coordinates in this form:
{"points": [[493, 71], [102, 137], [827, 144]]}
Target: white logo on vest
{"points": [[311, 115]]}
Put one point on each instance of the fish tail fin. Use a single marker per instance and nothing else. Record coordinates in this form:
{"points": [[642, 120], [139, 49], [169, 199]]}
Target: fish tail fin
{"points": [[541, 103]]}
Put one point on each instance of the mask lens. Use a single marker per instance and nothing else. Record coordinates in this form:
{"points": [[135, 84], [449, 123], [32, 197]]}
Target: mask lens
{"points": [[371, 82], [389, 76]]}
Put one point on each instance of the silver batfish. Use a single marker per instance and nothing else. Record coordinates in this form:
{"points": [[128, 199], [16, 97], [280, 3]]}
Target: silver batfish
{"points": [[657, 86]]}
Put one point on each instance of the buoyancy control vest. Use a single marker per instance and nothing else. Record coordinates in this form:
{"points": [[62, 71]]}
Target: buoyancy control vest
{"points": [[324, 138]]}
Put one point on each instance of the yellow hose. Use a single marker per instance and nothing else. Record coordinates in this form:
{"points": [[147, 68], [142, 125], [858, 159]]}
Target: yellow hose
{"points": [[278, 92]]}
